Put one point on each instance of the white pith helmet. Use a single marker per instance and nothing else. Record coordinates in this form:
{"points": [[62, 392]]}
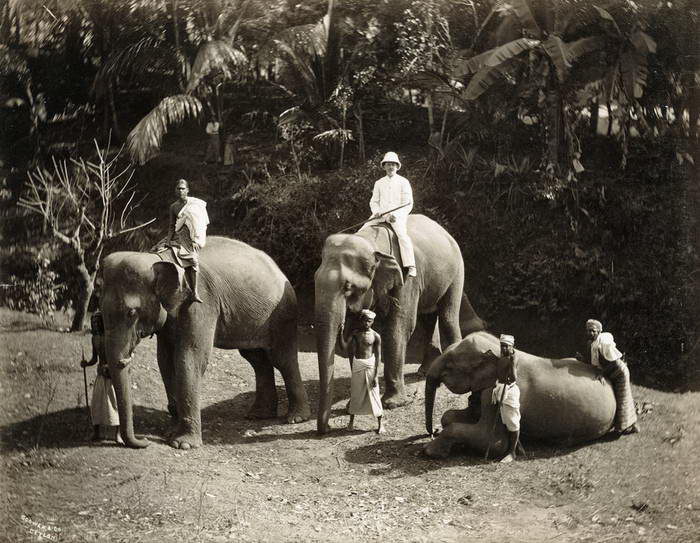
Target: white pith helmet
{"points": [[391, 156]]}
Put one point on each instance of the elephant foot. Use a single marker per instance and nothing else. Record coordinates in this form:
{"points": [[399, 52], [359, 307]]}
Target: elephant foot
{"points": [[298, 415], [187, 441], [392, 401], [262, 412], [437, 448]]}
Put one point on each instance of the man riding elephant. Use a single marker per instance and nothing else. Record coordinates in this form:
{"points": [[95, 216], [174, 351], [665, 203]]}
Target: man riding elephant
{"points": [[187, 233], [361, 271], [392, 201]]}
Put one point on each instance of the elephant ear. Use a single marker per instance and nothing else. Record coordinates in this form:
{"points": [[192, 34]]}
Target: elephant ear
{"points": [[387, 276], [168, 285]]}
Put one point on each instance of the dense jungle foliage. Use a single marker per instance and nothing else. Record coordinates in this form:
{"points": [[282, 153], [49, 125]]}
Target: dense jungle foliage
{"points": [[555, 139]]}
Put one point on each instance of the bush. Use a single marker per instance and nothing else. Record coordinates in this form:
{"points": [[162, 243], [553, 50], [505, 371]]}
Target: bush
{"points": [[32, 285]]}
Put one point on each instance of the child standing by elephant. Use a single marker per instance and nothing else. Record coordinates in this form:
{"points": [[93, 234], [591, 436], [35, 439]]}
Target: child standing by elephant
{"points": [[103, 407], [364, 351]]}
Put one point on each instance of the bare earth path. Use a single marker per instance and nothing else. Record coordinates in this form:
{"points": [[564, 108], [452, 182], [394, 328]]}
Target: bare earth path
{"points": [[266, 481]]}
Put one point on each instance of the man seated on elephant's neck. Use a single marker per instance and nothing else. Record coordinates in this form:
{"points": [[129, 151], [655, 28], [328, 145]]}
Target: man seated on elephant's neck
{"points": [[506, 394], [391, 192], [604, 354], [187, 232], [364, 348]]}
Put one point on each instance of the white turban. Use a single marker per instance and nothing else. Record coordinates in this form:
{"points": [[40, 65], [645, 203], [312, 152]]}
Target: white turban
{"points": [[368, 314], [594, 324], [507, 340]]}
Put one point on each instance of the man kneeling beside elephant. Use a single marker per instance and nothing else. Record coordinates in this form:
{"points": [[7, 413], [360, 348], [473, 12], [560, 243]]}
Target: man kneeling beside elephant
{"points": [[561, 400]]}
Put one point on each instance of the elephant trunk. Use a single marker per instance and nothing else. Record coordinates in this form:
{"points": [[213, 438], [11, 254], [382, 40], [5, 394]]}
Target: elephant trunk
{"points": [[329, 315], [122, 387], [431, 386]]}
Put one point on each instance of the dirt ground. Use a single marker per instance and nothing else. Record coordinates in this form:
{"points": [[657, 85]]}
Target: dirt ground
{"points": [[268, 481]]}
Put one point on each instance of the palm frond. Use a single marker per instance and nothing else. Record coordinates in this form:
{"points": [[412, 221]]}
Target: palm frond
{"points": [[148, 56], [522, 11], [146, 137], [486, 78], [493, 57], [558, 54], [579, 48], [633, 68], [643, 42], [215, 56]]}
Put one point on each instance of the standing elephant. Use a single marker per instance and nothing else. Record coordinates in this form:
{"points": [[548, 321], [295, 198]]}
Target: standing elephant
{"points": [[248, 304], [355, 274], [561, 400]]}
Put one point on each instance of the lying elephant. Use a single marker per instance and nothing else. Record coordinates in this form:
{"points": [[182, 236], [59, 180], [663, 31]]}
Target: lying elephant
{"points": [[561, 400], [248, 304]]}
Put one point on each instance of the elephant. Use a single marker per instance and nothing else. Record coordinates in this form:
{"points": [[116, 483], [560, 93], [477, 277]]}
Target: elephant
{"points": [[248, 304], [563, 401], [357, 273]]}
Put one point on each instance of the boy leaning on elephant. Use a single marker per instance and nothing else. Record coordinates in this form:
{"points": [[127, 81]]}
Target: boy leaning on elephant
{"points": [[603, 353]]}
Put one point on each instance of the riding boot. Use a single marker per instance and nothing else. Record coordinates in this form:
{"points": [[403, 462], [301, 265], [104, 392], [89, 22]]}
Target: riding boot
{"points": [[191, 274]]}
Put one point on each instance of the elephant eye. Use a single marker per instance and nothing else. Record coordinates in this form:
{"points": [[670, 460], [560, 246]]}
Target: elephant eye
{"points": [[131, 313], [347, 287]]}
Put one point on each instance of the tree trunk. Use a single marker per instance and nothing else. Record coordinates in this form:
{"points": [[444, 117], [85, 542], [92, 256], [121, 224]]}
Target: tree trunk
{"points": [[82, 298], [594, 118], [342, 139], [610, 118], [360, 130], [555, 145]]}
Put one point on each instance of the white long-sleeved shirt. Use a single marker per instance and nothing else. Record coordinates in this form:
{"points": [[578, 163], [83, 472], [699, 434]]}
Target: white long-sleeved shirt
{"points": [[194, 215], [604, 345], [511, 398], [391, 192]]}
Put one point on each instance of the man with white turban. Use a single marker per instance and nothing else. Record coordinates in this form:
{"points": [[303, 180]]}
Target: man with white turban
{"points": [[364, 348], [604, 355], [506, 395]]}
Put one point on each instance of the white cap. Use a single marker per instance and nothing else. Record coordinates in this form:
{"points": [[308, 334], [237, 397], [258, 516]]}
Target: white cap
{"points": [[368, 314], [391, 156], [508, 340]]}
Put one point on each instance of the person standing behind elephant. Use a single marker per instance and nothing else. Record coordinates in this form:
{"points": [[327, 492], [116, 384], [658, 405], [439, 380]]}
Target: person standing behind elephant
{"points": [[392, 191], [103, 407], [187, 232], [364, 348], [506, 394], [603, 354]]}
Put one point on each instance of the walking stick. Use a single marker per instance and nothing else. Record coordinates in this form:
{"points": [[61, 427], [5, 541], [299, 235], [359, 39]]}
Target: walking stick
{"points": [[493, 426], [87, 405], [371, 218]]}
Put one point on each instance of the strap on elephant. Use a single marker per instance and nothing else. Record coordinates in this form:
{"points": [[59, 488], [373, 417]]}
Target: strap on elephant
{"points": [[493, 426]]}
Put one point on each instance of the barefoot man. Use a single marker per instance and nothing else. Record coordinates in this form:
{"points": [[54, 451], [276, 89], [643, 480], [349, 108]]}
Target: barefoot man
{"points": [[364, 348]]}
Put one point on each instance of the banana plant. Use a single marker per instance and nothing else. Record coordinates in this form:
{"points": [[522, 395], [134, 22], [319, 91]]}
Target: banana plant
{"points": [[554, 48]]}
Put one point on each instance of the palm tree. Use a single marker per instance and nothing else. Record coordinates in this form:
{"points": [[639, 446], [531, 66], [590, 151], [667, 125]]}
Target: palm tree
{"points": [[186, 79]]}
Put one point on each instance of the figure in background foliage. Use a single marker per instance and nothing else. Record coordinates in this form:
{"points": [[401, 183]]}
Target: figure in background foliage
{"points": [[213, 144], [364, 348], [389, 192], [187, 232], [603, 354], [506, 394], [103, 407]]}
